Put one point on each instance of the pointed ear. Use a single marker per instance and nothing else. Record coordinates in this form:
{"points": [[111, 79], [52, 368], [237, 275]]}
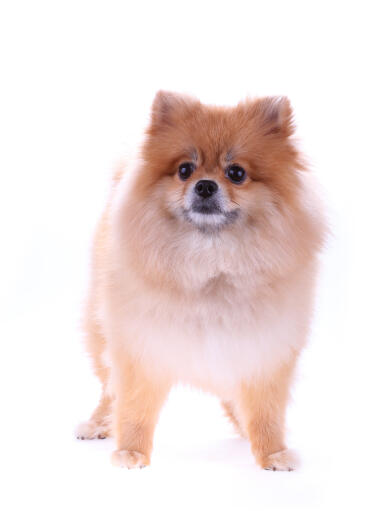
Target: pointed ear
{"points": [[168, 106], [276, 115]]}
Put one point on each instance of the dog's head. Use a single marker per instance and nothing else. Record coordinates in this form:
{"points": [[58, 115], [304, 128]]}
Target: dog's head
{"points": [[216, 166]]}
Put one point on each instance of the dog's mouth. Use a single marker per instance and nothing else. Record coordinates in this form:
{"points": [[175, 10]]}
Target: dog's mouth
{"points": [[208, 216], [206, 207]]}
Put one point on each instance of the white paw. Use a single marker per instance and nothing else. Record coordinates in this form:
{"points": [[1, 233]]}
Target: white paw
{"points": [[90, 430], [129, 459], [282, 460]]}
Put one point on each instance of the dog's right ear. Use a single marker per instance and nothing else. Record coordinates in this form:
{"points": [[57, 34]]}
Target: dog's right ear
{"points": [[167, 107]]}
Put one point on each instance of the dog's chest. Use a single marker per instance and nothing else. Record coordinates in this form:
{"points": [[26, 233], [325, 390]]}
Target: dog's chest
{"points": [[218, 336]]}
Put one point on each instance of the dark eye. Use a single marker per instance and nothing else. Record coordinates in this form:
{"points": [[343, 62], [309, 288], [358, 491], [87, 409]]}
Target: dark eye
{"points": [[185, 171], [236, 174]]}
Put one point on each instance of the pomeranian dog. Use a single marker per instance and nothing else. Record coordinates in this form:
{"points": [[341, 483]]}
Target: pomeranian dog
{"points": [[203, 272]]}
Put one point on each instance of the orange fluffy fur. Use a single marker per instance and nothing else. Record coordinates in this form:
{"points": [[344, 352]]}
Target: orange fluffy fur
{"points": [[177, 296]]}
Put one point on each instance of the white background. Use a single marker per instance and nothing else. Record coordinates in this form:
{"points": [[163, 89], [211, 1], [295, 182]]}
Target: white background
{"points": [[77, 80]]}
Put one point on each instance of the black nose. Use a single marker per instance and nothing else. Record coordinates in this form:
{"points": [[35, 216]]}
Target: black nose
{"points": [[205, 188]]}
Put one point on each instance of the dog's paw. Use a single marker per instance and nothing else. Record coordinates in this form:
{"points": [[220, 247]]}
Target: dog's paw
{"points": [[283, 460], [90, 430], [129, 459]]}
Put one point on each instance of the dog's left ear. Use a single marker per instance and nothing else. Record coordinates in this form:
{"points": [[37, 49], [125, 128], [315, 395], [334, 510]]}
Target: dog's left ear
{"points": [[276, 115], [167, 107]]}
